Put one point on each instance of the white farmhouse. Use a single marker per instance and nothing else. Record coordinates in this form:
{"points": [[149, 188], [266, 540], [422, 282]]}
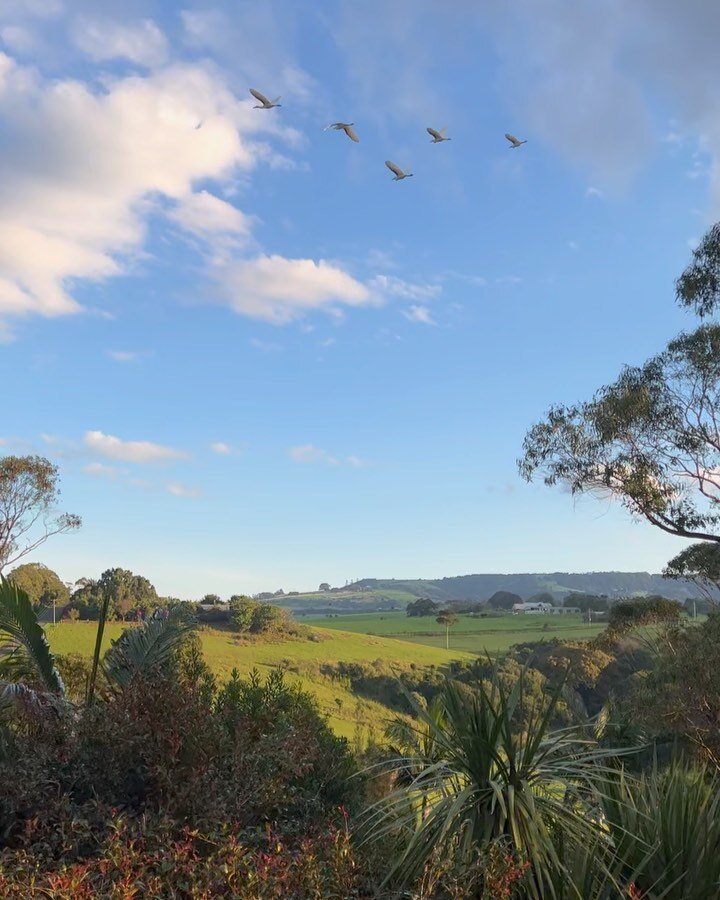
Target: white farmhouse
{"points": [[540, 608]]}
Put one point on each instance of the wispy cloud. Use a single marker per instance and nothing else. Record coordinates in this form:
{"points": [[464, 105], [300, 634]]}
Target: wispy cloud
{"points": [[594, 192], [309, 453], [419, 314], [221, 448], [265, 346], [130, 451], [389, 285], [182, 490], [140, 42], [126, 356]]}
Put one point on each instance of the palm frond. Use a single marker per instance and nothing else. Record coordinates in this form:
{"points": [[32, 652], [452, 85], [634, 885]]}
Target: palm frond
{"points": [[491, 778], [148, 649], [24, 650]]}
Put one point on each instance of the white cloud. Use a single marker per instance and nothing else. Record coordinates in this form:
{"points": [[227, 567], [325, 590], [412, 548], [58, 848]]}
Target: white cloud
{"points": [[508, 279], [139, 42], [130, 451], [221, 448], [280, 290], [84, 168], [594, 192], [356, 462], [391, 286], [207, 216], [18, 38], [419, 314], [308, 453], [182, 490]]}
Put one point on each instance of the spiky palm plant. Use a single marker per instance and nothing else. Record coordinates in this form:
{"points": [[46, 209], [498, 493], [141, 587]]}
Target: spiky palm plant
{"points": [[487, 780], [148, 649], [665, 828], [25, 656]]}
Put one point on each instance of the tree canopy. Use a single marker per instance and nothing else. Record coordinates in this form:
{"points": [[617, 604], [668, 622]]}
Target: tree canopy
{"points": [[28, 495], [127, 593], [41, 584], [504, 600], [423, 606], [699, 564], [651, 439]]}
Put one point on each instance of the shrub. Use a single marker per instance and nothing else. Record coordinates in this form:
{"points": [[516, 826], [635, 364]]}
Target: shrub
{"points": [[626, 614]]}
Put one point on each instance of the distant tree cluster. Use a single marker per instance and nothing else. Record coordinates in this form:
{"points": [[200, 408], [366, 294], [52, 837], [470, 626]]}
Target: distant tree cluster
{"points": [[423, 606], [504, 600], [130, 596], [586, 602], [253, 617]]}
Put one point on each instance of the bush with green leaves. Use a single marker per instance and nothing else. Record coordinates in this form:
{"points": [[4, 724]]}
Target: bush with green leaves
{"points": [[632, 613]]}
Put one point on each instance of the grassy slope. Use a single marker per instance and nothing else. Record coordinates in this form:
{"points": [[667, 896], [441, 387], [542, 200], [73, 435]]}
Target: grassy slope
{"points": [[471, 635], [223, 653]]}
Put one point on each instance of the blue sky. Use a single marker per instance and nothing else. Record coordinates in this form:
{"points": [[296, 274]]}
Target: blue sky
{"points": [[261, 363]]}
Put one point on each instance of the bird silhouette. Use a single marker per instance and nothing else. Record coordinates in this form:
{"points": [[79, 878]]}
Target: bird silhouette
{"points": [[437, 136], [514, 142], [264, 103], [397, 171], [347, 127]]}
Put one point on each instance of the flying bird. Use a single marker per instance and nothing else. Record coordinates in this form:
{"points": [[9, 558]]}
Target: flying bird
{"points": [[514, 142], [397, 171], [347, 127], [437, 136], [263, 101]]}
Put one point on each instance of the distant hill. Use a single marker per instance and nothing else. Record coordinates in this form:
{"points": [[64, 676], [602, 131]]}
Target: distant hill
{"points": [[480, 587]]}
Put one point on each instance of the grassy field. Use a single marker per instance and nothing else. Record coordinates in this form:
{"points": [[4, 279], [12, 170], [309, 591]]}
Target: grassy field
{"points": [[469, 635], [390, 637], [223, 652]]}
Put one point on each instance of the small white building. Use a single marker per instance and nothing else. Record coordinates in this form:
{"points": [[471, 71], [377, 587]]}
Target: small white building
{"points": [[537, 608]]}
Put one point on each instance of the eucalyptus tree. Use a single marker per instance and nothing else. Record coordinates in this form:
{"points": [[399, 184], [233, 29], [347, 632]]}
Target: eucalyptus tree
{"points": [[650, 439]]}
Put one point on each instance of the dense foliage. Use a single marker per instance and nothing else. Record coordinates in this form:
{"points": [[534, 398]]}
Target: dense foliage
{"points": [[423, 606], [42, 585], [503, 600], [255, 617], [222, 786], [626, 614], [128, 596]]}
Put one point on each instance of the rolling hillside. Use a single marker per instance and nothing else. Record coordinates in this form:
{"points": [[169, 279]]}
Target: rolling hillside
{"points": [[395, 593]]}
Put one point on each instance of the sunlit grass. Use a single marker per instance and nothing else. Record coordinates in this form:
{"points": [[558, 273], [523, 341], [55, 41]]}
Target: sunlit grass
{"points": [[470, 634], [223, 652]]}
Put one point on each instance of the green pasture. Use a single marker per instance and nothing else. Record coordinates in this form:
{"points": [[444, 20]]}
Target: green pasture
{"points": [[470, 635], [225, 651]]}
